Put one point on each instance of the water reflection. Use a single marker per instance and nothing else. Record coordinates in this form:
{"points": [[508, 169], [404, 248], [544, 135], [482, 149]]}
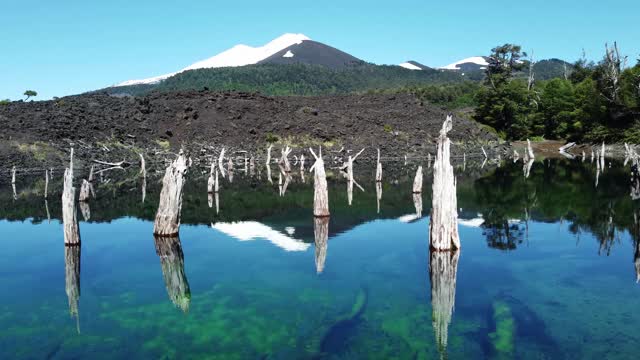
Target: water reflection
{"points": [[169, 249], [321, 237], [72, 280], [443, 269]]}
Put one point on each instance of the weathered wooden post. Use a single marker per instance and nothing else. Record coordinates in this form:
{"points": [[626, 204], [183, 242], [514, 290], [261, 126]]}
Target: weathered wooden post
{"points": [[320, 191], [69, 219], [443, 227], [321, 237], [169, 249], [167, 221], [417, 181], [443, 269]]}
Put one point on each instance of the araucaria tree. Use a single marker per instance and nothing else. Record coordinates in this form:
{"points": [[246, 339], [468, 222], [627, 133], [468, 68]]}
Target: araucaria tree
{"points": [[505, 101], [30, 93]]}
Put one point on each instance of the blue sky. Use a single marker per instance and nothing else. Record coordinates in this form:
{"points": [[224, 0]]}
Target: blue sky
{"points": [[66, 47]]}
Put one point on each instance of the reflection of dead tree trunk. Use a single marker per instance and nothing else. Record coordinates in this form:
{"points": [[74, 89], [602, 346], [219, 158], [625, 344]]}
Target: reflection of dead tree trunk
{"points": [[635, 183], [169, 250], [526, 168], [417, 202], [72, 280], [378, 194], [320, 192], [284, 160], [443, 227], [443, 268], [321, 237], [167, 221], [220, 162], [85, 210], [85, 190], [71, 232], [417, 181]]}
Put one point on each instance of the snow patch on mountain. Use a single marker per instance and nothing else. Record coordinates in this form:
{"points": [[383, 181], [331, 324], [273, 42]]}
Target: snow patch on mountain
{"points": [[239, 55], [479, 60], [409, 66], [288, 54]]}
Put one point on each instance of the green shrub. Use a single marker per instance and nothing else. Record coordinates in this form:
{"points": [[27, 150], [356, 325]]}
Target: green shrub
{"points": [[272, 138]]}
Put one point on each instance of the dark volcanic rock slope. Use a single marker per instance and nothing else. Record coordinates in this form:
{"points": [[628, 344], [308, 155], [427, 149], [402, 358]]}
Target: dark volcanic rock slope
{"points": [[397, 124]]}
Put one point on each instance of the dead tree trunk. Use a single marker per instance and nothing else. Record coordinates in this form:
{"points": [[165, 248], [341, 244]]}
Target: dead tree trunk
{"points": [[269, 155], [378, 194], [284, 160], [13, 175], [169, 249], [167, 221], [417, 203], [221, 163], [321, 237], [69, 217], [443, 269], [378, 168], [46, 183], [530, 150], [320, 191], [417, 181], [443, 227]]}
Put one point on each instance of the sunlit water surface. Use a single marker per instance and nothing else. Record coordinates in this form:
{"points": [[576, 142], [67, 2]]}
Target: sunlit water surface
{"points": [[546, 270]]}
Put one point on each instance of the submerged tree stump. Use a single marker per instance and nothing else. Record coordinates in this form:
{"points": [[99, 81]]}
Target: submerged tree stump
{"points": [[321, 237], [417, 181], [167, 221], [443, 269], [72, 280], [320, 190], [443, 227], [169, 249], [69, 217]]}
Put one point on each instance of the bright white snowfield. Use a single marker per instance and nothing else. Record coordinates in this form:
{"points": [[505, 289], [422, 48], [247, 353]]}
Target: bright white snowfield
{"points": [[238, 55], [409, 66], [475, 60]]}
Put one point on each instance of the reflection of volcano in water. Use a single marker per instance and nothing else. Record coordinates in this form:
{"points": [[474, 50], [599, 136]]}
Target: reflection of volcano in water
{"points": [[253, 230], [169, 250]]}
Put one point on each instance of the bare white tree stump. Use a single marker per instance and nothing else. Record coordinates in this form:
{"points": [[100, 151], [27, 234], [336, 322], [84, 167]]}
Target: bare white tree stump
{"points": [[443, 227], [320, 190], [69, 217], [46, 183], [443, 269], [378, 168], [530, 150], [269, 155], [167, 221], [417, 181]]}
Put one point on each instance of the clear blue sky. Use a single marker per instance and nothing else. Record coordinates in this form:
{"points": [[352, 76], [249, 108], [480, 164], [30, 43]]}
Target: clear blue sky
{"points": [[66, 47]]}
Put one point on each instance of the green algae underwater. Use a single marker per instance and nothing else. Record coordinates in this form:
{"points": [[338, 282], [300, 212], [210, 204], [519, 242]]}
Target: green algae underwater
{"points": [[547, 269]]}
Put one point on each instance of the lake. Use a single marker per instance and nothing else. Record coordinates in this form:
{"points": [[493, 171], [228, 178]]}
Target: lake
{"points": [[548, 268]]}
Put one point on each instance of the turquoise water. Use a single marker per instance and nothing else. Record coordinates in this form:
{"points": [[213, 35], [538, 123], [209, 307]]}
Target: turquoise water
{"points": [[546, 270]]}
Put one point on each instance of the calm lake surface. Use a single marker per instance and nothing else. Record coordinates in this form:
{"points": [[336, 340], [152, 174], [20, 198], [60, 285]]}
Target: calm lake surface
{"points": [[547, 269]]}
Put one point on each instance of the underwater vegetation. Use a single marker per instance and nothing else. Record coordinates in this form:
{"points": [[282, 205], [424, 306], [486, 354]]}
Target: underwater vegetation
{"points": [[336, 340]]}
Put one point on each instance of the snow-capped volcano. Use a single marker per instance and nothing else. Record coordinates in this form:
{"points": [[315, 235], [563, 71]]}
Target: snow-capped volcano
{"points": [[472, 63], [238, 55]]}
